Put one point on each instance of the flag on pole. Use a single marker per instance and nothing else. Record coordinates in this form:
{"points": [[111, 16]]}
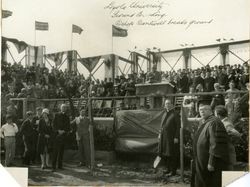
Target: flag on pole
{"points": [[42, 26], [119, 32], [6, 13], [76, 29]]}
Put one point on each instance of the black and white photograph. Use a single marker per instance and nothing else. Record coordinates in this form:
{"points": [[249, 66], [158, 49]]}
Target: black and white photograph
{"points": [[125, 92]]}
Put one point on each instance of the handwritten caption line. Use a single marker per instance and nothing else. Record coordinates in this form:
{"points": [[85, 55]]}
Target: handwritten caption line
{"points": [[153, 13]]}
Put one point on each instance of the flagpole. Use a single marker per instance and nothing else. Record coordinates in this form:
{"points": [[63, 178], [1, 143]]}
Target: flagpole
{"points": [[112, 43], [71, 40], [35, 38]]}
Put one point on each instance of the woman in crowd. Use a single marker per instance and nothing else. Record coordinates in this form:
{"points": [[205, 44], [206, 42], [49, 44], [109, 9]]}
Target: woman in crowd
{"points": [[44, 144]]}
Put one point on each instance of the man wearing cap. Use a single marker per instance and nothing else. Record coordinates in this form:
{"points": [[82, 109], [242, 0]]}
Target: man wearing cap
{"points": [[8, 132], [81, 126], [27, 132], [61, 126], [211, 149]]}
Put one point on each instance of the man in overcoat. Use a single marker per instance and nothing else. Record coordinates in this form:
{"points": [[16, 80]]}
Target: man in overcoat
{"points": [[211, 149], [61, 126], [28, 135], [169, 137]]}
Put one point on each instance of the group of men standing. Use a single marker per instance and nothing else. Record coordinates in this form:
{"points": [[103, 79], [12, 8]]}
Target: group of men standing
{"points": [[212, 146], [61, 126]]}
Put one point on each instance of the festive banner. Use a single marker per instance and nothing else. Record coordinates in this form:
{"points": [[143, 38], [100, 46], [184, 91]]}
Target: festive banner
{"points": [[6, 13], [20, 45], [119, 32], [90, 63], [56, 57], [76, 29], [42, 26]]}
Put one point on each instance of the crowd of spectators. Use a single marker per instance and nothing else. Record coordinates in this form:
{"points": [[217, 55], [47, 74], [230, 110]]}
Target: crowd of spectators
{"points": [[40, 82]]}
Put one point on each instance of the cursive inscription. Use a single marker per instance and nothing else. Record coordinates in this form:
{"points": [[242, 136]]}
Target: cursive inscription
{"points": [[148, 13]]}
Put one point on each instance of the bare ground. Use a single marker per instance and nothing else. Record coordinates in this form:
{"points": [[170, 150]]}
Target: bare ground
{"points": [[106, 175]]}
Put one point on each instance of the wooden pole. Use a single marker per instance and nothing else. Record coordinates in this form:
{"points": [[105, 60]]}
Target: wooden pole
{"points": [[25, 105], [91, 137], [71, 41], [181, 149]]}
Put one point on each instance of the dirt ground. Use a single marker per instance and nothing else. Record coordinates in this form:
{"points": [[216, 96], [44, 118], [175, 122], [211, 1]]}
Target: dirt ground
{"points": [[108, 175]]}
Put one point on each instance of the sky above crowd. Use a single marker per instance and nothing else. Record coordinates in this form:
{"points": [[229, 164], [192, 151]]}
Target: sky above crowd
{"points": [[165, 24]]}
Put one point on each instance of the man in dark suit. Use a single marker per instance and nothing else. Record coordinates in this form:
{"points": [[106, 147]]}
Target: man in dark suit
{"points": [[28, 135], [209, 82], [211, 149], [61, 126], [197, 79], [169, 137], [35, 122]]}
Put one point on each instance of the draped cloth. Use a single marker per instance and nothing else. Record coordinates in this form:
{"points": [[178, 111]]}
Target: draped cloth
{"points": [[20, 45], [91, 62], [56, 57]]}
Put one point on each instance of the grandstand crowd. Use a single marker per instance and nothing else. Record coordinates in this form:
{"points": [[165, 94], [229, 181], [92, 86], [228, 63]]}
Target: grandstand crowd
{"points": [[42, 83]]}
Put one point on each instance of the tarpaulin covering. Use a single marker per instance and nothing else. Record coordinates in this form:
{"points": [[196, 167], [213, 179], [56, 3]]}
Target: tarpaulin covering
{"points": [[137, 130]]}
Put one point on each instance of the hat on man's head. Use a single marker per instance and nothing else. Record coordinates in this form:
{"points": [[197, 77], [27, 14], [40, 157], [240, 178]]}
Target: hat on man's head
{"points": [[45, 110], [39, 108], [29, 113]]}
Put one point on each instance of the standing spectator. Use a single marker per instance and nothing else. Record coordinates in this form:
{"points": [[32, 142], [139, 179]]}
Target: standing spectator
{"points": [[209, 82], [222, 78], [244, 77], [8, 132], [81, 127], [61, 126], [44, 145], [231, 89], [189, 101], [183, 83], [221, 112], [169, 137], [197, 79], [217, 99], [35, 123], [211, 150], [28, 137]]}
